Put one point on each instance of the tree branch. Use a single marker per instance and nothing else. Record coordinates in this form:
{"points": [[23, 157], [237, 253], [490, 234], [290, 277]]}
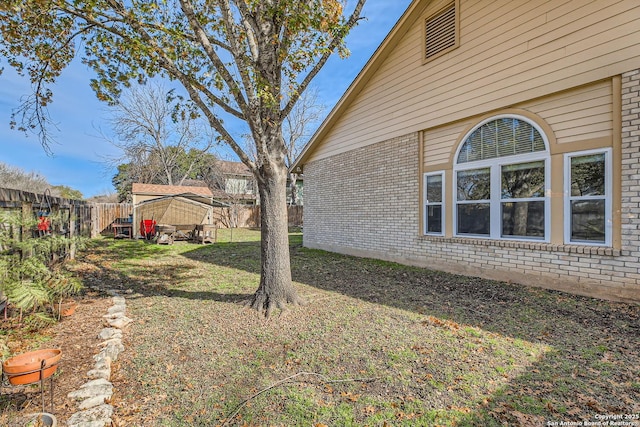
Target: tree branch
{"points": [[352, 21], [204, 41], [324, 379]]}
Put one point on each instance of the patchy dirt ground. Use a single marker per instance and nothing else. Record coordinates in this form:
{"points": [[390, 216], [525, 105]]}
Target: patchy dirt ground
{"points": [[77, 337]]}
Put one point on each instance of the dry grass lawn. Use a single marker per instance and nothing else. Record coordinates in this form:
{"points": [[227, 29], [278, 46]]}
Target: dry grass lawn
{"points": [[378, 344]]}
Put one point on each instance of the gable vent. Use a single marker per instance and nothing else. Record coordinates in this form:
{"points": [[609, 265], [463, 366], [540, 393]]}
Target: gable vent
{"points": [[441, 32]]}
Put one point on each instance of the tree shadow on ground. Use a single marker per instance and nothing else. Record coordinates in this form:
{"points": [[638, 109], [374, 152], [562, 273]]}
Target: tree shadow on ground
{"points": [[114, 272], [508, 309], [590, 369]]}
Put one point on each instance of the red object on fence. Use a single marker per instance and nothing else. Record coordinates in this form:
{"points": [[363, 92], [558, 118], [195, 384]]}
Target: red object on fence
{"points": [[43, 224], [148, 228]]}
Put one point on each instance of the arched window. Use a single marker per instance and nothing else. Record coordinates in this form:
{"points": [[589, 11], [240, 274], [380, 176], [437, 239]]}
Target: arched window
{"points": [[502, 180]]}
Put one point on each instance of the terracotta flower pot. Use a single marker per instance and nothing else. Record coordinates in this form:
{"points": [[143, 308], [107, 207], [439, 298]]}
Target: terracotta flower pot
{"points": [[66, 308], [25, 368]]}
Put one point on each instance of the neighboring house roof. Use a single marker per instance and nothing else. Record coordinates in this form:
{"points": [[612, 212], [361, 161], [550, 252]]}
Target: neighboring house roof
{"points": [[198, 188], [234, 168], [169, 190]]}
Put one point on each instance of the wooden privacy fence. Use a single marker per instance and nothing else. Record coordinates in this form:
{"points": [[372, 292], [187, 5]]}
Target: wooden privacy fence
{"points": [[74, 215], [249, 216], [295, 216], [106, 214], [92, 219], [80, 218]]}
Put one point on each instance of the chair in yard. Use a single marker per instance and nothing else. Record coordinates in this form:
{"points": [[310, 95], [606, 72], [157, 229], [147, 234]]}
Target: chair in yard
{"points": [[148, 228]]}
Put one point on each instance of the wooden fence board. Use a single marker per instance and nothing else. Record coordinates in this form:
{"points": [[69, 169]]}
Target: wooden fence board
{"points": [[106, 214], [87, 219]]}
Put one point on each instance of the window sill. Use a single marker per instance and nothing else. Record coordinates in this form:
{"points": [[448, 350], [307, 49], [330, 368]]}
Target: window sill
{"points": [[538, 246]]}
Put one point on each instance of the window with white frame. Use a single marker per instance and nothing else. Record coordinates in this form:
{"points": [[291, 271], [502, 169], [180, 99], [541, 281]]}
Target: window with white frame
{"points": [[501, 181], [434, 203], [588, 212]]}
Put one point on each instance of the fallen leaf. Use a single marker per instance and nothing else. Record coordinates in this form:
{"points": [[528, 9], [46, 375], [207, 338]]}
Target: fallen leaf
{"points": [[350, 396]]}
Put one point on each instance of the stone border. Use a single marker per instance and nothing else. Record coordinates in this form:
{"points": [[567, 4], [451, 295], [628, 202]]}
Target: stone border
{"points": [[93, 396]]}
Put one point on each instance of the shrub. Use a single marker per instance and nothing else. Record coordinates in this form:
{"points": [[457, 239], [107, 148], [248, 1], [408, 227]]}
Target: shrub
{"points": [[33, 278]]}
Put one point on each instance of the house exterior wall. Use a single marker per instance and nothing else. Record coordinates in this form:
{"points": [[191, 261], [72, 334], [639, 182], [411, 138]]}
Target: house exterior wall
{"points": [[582, 115], [511, 52], [576, 119], [569, 67], [366, 202]]}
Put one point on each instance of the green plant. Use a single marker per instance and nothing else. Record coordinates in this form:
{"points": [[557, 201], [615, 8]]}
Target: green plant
{"points": [[33, 277], [62, 285]]}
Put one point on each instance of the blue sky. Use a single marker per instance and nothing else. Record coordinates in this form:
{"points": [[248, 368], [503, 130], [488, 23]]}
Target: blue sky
{"points": [[79, 157]]}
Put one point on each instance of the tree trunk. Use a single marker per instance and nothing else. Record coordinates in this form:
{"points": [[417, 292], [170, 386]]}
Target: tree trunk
{"points": [[293, 179], [276, 289]]}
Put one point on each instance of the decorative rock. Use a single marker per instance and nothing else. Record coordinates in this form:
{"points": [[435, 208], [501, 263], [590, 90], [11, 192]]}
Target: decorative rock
{"points": [[98, 416], [94, 411], [117, 309], [116, 315], [108, 333], [102, 368], [94, 401], [99, 373], [100, 423], [95, 383], [93, 388], [120, 322], [103, 362], [113, 341], [112, 350]]}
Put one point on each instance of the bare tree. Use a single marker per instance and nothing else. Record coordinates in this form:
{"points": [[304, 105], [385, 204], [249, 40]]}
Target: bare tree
{"points": [[297, 129], [161, 143], [233, 183], [17, 179]]}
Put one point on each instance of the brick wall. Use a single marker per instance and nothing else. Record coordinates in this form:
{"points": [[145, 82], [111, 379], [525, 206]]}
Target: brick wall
{"points": [[365, 199], [365, 203]]}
